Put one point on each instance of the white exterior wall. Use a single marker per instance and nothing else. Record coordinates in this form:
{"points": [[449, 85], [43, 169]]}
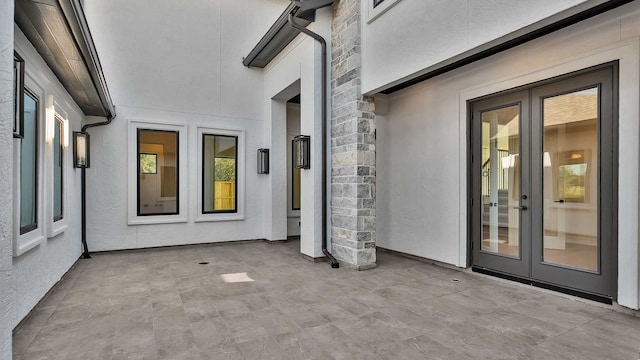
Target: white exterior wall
{"points": [[297, 70], [412, 35], [179, 65], [422, 164], [38, 269], [7, 281]]}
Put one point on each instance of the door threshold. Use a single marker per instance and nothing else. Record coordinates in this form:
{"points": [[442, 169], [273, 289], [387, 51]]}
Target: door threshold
{"points": [[541, 284]]}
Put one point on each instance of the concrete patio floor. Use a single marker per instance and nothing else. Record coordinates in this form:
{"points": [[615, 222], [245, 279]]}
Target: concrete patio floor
{"points": [[265, 301]]}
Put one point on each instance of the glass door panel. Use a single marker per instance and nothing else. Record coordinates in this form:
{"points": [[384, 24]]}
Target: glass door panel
{"points": [[500, 165], [500, 181], [573, 182], [570, 179]]}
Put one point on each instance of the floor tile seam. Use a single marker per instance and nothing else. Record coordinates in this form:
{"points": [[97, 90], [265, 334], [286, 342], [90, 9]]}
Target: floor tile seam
{"points": [[55, 307], [438, 342], [604, 316], [440, 287], [112, 343], [545, 338], [32, 340], [564, 332], [231, 332], [259, 339], [154, 326], [67, 348], [618, 324]]}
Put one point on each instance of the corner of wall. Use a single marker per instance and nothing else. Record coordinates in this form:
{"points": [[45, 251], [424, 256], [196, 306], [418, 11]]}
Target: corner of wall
{"points": [[7, 282]]}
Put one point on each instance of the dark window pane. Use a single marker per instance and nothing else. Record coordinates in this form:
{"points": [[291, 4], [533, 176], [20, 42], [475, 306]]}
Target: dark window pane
{"points": [[57, 170], [157, 172], [29, 166], [219, 173]]}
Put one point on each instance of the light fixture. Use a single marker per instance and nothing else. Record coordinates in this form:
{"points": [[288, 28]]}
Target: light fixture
{"points": [[302, 151], [263, 161], [546, 159], [80, 149], [18, 96]]}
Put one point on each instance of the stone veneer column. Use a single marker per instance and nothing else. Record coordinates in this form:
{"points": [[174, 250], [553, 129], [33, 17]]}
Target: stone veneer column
{"points": [[353, 159]]}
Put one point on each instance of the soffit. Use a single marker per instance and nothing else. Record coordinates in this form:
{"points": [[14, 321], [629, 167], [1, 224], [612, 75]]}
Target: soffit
{"points": [[58, 31], [282, 33]]}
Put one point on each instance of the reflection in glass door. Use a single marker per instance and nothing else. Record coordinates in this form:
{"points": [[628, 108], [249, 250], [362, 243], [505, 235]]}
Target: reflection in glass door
{"points": [[500, 190], [570, 181]]}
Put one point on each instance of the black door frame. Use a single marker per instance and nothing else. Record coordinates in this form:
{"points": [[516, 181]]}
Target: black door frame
{"points": [[609, 220]]}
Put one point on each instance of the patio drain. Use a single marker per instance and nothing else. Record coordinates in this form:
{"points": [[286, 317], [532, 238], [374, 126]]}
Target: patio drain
{"points": [[455, 280], [203, 263]]}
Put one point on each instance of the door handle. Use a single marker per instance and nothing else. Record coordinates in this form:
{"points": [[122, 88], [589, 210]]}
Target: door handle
{"points": [[559, 201], [524, 207]]}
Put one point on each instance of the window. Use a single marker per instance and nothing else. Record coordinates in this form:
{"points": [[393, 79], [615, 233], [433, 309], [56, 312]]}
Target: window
{"points": [[55, 187], [157, 176], [29, 166], [375, 8], [157, 180], [220, 195], [148, 163], [58, 168], [220, 168]]}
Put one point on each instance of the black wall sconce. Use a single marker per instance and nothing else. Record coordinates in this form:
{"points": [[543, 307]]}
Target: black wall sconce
{"points": [[302, 151], [80, 149], [263, 161], [18, 96]]}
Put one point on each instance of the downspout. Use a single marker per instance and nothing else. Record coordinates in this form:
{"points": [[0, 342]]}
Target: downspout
{"points": [[323, 43], [83, 190]]}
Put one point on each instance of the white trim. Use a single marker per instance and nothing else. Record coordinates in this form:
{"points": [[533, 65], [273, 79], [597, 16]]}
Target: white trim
{"points": [[375, 12], [58, 114], [25, 242], [132, 179], [240, 176]]}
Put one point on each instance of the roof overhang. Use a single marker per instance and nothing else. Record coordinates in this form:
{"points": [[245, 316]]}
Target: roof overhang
{"points": [[282, 33], [59, 32]]}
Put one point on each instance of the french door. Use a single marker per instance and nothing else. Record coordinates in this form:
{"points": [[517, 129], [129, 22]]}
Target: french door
{"points": [[543, 181]]}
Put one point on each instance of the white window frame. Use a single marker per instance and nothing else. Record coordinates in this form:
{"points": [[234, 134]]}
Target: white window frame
{"points": [[55, 113], [375, 12], [25, 242], [132, 173], [240, 175]]}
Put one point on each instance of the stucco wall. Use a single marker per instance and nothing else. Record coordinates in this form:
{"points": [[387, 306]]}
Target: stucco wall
{"points": [[38, 269], [413, 35], [296, 70], [7, 282], [178, 65], [421, 156]]}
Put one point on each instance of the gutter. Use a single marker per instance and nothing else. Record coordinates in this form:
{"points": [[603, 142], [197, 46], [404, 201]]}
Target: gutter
{"points": [[334, 263], [83, 190]]}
